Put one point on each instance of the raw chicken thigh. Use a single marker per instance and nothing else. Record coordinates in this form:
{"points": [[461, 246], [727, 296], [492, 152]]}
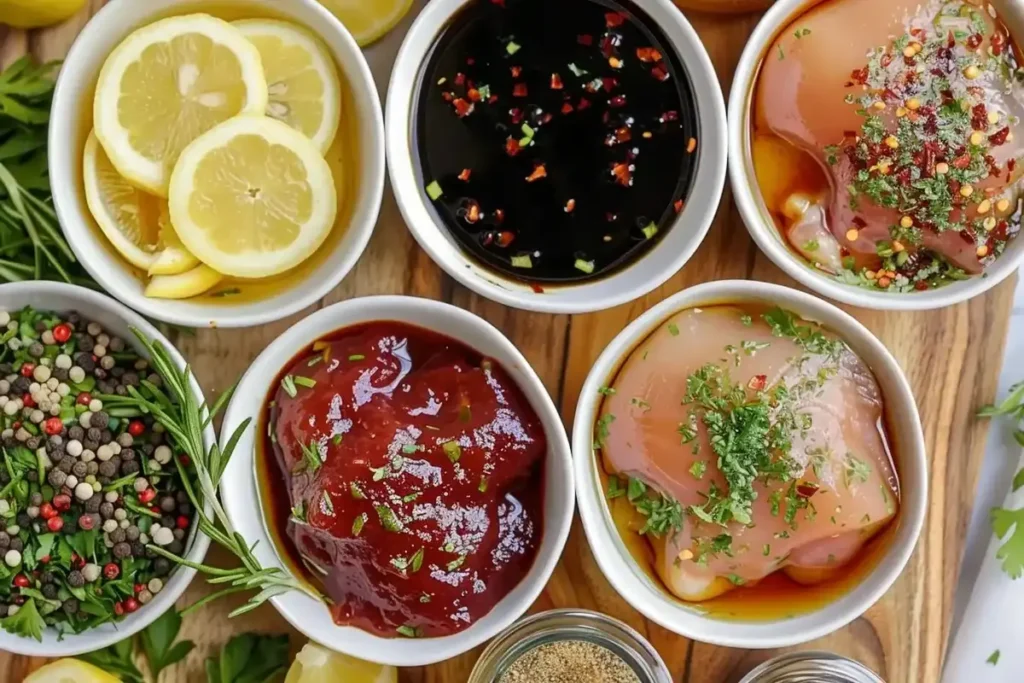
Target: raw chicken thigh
{"points": [[825, 485]]}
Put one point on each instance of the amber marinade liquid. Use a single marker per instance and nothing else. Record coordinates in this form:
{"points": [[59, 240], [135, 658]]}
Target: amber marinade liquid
{"points": [[343, 158]]}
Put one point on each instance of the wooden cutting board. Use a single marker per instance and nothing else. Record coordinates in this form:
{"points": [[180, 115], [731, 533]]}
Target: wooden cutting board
{"points": [[951, 357]]}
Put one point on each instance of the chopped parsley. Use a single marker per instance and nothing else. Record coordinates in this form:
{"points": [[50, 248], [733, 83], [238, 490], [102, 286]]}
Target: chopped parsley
{"points": [[663, 513], [855, 471], [698, 468]]}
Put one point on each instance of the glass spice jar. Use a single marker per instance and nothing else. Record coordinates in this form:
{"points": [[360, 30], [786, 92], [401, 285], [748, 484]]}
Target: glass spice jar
{"points": [[811, 667], [570, 625]]}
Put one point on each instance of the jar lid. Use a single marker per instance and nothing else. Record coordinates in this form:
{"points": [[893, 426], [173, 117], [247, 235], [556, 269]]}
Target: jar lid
{"points": [[812, 667]]}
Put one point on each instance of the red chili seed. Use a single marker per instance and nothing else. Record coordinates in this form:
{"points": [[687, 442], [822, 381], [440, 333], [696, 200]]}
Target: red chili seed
{"points": [[118, 609], [61, 333], [53, 426], [520, 90], [86, 522], [27, 369], [464, 176], [585, 39], [62, 502], [182, 522], [55, 524], [613, 19], [111, 571], [147, 495], [22, 581], [556, 82]]}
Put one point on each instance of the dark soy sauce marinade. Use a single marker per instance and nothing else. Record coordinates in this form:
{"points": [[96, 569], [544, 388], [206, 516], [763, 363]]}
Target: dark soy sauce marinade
{"points": [[557, 138]]}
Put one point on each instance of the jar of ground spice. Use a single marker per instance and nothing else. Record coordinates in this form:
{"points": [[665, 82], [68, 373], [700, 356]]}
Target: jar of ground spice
{"points": [[820, 667], [570, 646]]}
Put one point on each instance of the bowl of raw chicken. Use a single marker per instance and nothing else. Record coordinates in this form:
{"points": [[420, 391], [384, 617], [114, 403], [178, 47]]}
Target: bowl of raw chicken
{"points": [[748, 456]]}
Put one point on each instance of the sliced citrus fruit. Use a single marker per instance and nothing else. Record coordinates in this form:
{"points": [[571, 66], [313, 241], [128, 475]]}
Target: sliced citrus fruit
{"points": [[315, 664], [302, 81], [70, 671], [136, 223], [368, 21], [252, 197], [184, 285], [165, 85]]}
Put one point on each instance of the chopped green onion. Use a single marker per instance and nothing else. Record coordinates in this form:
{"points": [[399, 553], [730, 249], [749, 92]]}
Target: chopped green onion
{"points": [[482, 488], [523, 261], [304, 381], [576, 71], [434, 190], [513, 47], [416, 561], [357, 493], [586, 266], [357, 356], [328, 503], [288, 384], [456, 563], [408, 631], [358, 523], [650, 230], [453, 450]]}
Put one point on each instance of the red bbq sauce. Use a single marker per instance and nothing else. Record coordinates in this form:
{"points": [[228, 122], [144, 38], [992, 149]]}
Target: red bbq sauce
{"points": [[407, 472]]}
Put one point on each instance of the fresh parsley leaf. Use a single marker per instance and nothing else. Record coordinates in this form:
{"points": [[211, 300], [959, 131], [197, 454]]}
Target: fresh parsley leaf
{"points": [[249, 658], [27, 622], [1012, 551], [993, 658], [158, 642], [118, 659]]}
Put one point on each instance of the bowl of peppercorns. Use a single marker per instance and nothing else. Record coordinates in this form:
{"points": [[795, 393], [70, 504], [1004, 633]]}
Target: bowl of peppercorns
{"points": [[87, 491]]}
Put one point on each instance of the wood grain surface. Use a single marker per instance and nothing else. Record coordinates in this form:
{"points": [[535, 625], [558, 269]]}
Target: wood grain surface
{"points": [[951, 357]]}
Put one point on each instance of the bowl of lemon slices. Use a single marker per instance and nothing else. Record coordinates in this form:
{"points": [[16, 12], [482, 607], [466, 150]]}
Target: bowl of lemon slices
{"points": [[217, 166]]}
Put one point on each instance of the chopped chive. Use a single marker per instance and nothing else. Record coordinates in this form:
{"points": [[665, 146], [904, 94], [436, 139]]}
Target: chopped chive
{"points": [[434, 190], [576, 71], [288, 384], [425, 598], [456, 563], [357, 356], [357, 493], [226, 292], [358, 523], [416, 561], [650, 230], [586, 266], [314, 360], [411, 448], [512, 47], [336, 440], [453, 450], [673, 329], [485, 91], [304, 381], [328, 503], [482, 488], [465, 413], [606, 391], [408, 631], [523, 261], [388, 518], [410, 497]]}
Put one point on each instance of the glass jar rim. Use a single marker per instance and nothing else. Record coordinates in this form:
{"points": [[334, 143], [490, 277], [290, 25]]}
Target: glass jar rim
{"points": [[825, 667], [570, 624]]}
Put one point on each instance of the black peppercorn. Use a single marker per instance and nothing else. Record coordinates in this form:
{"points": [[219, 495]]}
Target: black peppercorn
{"points": [[75, 579], [70, 606], [122, 550], [49, 591], [106, 510]]}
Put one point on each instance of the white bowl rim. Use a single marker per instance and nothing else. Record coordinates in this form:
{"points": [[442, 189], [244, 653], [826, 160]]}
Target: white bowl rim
{"points": [[241, 503], [624, 285], [766, 235], [672, 614], [85, 241], [179, 580]]}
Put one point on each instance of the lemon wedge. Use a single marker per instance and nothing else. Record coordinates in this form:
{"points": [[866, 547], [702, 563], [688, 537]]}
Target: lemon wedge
{"points": [[70, 671], [184, 285], [315, 664], [252, 197], [368, 20], [302, 81], [165, 85]]}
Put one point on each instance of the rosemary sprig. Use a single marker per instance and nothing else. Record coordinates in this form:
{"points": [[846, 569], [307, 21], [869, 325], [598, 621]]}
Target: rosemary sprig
{"points": [[185, 419]]}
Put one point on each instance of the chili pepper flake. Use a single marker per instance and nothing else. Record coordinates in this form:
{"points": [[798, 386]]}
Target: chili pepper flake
{"points": [[678, 205], [691, 145], [758, 382], [474, 95], [516, 71], [648, 54], [516, 115], [460, 79], [617, 101], [567, 108], [512, 147], [660, 73], [464, 176], [614, 19], [462, 107], [472, 212], [520, 90], [556, 82], [584, 104], [806, 489], [505, 238], [540, 171], [447, 96], [623, 174], [570, 206]]}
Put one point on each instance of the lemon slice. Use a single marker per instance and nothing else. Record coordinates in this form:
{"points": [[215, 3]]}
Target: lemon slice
{"points": [[136, 223], [70, 671], [302, 81], [315, 664], [252, 198], [165, 85], [368, 20], [184, 285]]}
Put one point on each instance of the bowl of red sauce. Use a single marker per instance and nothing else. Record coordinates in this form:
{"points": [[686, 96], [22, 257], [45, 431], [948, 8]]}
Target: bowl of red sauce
{"points": [[407, 464], [561, 157]]}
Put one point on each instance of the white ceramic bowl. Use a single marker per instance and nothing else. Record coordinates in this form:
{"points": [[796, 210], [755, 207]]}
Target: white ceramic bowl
{"points": [[117, 319], [73, 100], [241, 494], [626, 284], [653, 601], [759, 221]]}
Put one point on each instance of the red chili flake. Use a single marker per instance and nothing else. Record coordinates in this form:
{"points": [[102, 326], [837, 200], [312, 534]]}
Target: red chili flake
{"points": [[463, 108], [540, 171], [447, 96], [617, 101], [556, 82], [609, 83], [470, 61], [623, 134], [623, 176], [999, 137], [962, 161], [979, 117], [648, 54], [660, 72], [460, 79], [464, 176], [921, 285], [584, 104], [691, 145], [517, 115], [499, 216], [607, 46], [758, 382], [516, 70], [505, 238], [492, 99], [974, 41], [537, 289], [859, 76], [613, 19], [678, 205], [184, 460], [671, 115], [806, 489], [997, 42], [886, 60], [520, 90], [585, 39], [606, 116], [859, 222], [472, 212], [570, 206], [918, 33], [567, 108], [474, 95], [487, 238]]}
